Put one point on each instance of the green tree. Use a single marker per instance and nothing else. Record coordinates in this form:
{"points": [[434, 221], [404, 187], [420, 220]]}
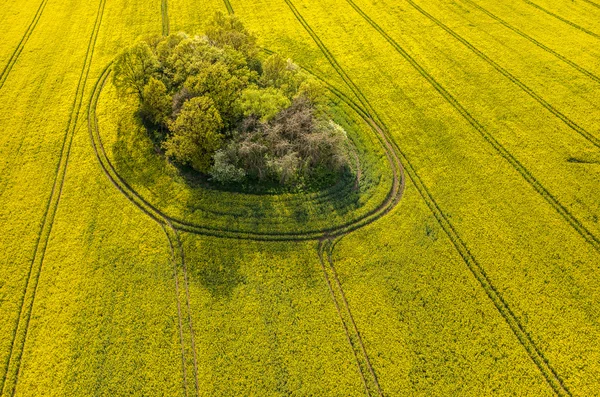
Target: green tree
{"points": [[217, 82], [264, 103], [313, 91], [281, 73], [228, 30], [157, 103], [223, 171], [133, 68], [195, 136]]}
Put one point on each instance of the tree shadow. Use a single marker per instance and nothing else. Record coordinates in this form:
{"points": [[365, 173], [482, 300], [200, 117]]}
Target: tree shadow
{"points": [[219, 276]]}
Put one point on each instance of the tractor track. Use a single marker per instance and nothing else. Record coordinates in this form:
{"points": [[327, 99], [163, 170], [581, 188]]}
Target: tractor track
{"points": [[188, 305], [581, 28], [552, 377], [178, 252], [19, 337], [164, 10], [588, 236], [566, 120], [367, 373], [534, 41], [17, 52], [590, 2], [179, 315]]}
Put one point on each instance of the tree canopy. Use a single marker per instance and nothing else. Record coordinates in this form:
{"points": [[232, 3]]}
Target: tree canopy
{"points": [[227, 113]]}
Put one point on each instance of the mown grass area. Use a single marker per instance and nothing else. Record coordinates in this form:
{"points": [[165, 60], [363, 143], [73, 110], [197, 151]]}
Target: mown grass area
{"points": [[403, 308]]}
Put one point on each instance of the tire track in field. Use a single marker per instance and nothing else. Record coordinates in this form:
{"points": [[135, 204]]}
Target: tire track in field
{"points": [[17, 52], [367, 373], [592, 3], [164, 10], [570, 123], [581, 28], [19, 337], [588, 236], [178, 252], [179, 315], [188, 305], [525, 339], [228, 6], [534, 41]]}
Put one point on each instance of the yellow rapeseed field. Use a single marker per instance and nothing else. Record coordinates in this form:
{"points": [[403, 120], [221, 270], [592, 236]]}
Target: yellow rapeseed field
{"points": [[463, 262]]}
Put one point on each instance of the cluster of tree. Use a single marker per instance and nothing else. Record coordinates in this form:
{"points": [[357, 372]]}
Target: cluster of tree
{"points": [[215, 106]]}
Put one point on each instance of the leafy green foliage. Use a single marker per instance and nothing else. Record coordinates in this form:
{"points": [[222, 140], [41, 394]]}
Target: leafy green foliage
{"points": [[212, 91], [263, 103], [134, 68], [225, 30], [157, 103], [195, 134]]}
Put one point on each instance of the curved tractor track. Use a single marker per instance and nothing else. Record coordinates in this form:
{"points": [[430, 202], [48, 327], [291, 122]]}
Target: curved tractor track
{"points": [[17, 52], [392, 198]]}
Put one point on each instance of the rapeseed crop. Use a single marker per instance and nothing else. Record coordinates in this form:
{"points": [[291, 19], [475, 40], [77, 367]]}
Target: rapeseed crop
{"points": [[475, 278]]}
